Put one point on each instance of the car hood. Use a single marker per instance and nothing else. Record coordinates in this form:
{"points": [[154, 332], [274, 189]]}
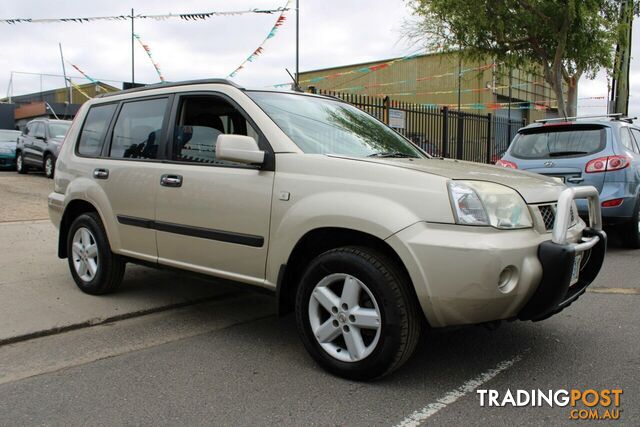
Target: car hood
{"points": [[8, 144], [532, 187]]}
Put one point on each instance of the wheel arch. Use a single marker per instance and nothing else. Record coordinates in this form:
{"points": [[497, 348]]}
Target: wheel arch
{"points": [[318, 241], [74, 209]]}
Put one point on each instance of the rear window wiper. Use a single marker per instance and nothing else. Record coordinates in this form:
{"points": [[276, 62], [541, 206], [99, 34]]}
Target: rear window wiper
{"points": [[566, 153], [390, 154]]}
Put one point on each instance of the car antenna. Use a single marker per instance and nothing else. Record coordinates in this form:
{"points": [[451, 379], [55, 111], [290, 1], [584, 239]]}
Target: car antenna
{"points": [[296, 86]]}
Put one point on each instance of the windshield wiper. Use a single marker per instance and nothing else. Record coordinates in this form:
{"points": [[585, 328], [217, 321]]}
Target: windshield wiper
{"points": [[388, 154], [566, 153]]}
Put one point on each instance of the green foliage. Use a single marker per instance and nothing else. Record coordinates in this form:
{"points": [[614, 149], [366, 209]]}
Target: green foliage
{"points": [[566, 38]]}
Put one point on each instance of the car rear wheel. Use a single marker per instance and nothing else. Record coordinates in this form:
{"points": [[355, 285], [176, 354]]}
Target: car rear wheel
{"points": [[95, 269], [49, 166], [631, 233], [356, 314], [20, 166]]}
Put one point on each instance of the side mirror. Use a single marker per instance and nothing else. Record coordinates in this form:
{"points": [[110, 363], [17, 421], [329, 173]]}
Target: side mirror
{"points": [[239, 148]]}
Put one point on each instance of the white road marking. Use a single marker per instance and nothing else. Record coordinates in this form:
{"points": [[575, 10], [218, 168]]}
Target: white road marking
{"points": [[416, 418]]}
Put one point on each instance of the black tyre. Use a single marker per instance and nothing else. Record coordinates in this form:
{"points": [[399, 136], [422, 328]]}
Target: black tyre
{"points": [[95, 269], [356, 314], [20, 166], [631, 231], [49, 166]]}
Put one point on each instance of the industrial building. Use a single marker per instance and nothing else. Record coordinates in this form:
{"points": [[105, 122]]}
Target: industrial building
{"points": [[442, 79]]}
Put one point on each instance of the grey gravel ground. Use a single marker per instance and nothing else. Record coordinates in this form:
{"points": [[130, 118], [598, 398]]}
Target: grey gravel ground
{"points": [[228, 360]]}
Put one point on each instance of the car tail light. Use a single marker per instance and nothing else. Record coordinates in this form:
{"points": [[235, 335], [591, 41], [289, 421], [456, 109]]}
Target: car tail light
{"points": [[506, 164], [613, 203], [605, 164]]}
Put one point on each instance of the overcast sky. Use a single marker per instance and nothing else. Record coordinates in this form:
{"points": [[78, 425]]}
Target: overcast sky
{"points": [[332, 32]]}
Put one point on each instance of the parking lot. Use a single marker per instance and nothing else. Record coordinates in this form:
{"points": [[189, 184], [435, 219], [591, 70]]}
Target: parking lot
{"points": [[169, 349]]}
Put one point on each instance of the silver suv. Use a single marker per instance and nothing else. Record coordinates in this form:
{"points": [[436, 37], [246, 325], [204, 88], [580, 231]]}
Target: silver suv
{"points": [[365, 237]]}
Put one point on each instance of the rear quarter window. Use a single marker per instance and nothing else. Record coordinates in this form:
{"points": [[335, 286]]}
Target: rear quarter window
{"points": [[569, 141], [94, 130]]}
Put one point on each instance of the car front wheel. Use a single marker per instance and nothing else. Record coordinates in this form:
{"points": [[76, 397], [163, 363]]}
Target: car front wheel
{"points": [[20, 166], [356, 314], [95, 269]]}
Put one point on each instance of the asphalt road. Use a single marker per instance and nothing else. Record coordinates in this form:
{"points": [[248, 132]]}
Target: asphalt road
{"points": [[228, 360]]}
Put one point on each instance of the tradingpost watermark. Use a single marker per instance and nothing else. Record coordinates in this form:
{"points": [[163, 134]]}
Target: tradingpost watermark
{"points": [[587, 404]]}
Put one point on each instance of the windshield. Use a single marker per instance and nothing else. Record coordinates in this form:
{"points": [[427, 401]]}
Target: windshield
{"points": [[324, 126], [58, 130], [561, 142]]}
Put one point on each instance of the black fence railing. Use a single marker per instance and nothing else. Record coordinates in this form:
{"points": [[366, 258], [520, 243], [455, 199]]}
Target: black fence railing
{"points": [[441, 131]]}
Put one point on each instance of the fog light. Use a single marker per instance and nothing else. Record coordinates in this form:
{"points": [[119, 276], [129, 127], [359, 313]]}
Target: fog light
{"points": [[508, 279]]}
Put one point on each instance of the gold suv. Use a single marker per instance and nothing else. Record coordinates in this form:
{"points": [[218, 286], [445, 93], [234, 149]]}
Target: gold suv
{"points": [[364, 236]]}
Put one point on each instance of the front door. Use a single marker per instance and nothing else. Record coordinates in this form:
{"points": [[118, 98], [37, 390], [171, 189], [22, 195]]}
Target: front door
{"points": [[212, 216]]}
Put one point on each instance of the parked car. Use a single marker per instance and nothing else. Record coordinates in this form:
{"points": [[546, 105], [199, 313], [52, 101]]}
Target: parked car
{"points": [[603, 153], [8, 140], [39, 145], [355, 229]]}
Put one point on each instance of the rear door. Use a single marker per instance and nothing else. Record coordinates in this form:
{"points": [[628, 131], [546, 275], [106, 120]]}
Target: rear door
{"points": [[127, 166], [563, 151]]}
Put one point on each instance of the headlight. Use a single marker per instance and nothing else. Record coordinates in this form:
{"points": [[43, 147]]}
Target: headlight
{"points": [[488, 204]]}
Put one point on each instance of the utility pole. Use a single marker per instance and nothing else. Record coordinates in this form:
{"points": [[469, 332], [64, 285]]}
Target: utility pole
{"points": [[64, 73], [620, 84], [297, 43], [133, 70]]}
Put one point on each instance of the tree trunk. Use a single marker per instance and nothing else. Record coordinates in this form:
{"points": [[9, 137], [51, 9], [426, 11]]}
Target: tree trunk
{"points": [[557, 90], [556, 84], [572, 97]]}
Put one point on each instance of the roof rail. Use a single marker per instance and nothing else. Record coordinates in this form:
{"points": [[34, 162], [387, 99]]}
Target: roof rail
{"points": [[172, 84], [615, 116]]}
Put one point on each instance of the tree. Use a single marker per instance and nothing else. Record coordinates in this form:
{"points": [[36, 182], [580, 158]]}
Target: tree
{"points": [[565, 38]]}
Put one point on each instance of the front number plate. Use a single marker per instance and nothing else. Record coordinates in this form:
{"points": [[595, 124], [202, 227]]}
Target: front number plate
{"points": [[576, 269]]}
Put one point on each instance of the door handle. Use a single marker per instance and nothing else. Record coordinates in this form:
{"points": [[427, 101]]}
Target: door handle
{"points": [[575, 180], [171, 180], [101, 173]]}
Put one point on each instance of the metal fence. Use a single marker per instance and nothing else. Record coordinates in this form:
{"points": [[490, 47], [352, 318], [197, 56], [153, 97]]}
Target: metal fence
{"points": [[441, 131]]}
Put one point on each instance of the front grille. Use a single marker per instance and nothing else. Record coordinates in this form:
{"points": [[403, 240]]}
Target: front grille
{"points": [[548, 213]]}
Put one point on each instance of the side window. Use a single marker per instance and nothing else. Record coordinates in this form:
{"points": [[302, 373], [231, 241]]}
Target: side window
{"points": [[626, 140], [136, 134], [38, 130], [200, 120], [636, 136], [94, 129]]}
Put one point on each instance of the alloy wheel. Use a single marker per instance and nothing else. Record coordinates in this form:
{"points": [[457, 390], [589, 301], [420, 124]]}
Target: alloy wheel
{"points": [[85, 254], [345, 317], [48, 166]]}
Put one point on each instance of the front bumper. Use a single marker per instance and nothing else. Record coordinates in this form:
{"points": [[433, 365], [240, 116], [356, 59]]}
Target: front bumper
{"points": [[456, 269], [555, 291]]}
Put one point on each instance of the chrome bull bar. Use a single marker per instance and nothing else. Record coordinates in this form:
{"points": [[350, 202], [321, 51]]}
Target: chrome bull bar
{"points": [[563, 216]]}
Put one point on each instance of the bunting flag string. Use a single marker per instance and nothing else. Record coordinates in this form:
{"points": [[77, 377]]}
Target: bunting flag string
{"points": [[92, 80], [361, 70], [419, 79], [443, 92], [147, 50], [183, 16], [279, 22], [78, 88]]}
